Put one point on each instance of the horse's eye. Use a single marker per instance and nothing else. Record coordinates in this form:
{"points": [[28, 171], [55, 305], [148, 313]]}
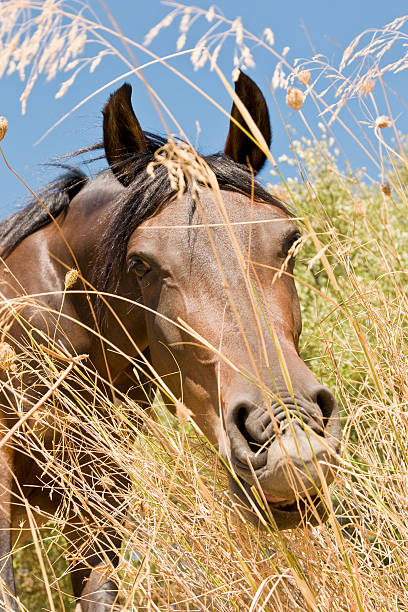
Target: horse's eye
{"points": [[289, 242], [138, 266]]}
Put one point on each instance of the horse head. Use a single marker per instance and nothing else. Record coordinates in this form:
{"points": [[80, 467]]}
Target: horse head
{"points": [[212, 266]]}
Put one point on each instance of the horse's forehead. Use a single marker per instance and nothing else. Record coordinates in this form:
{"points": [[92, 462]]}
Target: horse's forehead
{"points": [[217, 210]]}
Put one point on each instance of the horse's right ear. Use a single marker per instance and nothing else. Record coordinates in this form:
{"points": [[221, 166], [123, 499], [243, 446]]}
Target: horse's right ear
{"points": [[122, 134]]}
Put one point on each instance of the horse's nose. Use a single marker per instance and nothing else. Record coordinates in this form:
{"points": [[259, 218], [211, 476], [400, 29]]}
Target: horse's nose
{"points": [[286, 442], [257, 425]]}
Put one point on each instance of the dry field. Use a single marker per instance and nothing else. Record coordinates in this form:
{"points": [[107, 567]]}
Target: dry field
{"points": [[184, 547]]}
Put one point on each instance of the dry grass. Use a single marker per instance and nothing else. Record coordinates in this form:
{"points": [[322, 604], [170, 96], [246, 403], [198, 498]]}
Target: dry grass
{"points": [[184, 548]]}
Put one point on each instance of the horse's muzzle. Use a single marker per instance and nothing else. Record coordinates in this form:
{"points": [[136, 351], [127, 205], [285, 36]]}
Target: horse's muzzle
{"points": [[286, 453]]}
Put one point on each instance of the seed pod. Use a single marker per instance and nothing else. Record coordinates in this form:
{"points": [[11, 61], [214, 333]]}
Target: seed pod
{"points": [[382, 122], [304, 77], [295, 98], [386, 188], [3, 127]]}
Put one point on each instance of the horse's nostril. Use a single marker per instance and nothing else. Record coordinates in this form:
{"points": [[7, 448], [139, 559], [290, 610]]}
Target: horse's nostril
{"points": [[248, 432], [245, 425], [324, 398]]}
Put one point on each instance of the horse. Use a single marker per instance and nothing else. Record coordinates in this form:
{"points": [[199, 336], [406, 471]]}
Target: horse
{"points": [[187, 264]]}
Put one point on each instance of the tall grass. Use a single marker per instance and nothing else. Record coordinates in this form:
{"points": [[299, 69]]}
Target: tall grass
{"points": [[186, 546]]}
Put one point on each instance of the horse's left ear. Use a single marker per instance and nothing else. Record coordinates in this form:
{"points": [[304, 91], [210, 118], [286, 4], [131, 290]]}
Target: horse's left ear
{"points": [[122, 134], [238, 146]]}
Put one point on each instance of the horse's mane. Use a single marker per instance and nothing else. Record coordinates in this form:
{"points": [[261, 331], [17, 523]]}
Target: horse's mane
{"points": [[55, 198]]}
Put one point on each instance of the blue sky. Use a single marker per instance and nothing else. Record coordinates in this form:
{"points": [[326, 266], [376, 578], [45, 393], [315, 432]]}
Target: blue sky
{"points": [[306, 27]]}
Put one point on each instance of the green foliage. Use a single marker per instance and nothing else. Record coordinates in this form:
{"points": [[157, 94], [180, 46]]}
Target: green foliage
{"points": [[362, 233], [30, 581]]}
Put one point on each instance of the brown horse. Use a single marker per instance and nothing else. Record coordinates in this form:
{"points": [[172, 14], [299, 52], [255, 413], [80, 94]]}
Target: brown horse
{"points": [[199, 261]]}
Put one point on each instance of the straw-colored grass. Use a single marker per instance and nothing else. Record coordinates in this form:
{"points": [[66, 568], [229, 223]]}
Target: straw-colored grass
{"points": [[184, 547]]}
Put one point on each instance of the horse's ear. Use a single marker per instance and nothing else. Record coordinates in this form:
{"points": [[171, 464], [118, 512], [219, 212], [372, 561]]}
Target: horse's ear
{"points": [[122, 134], [238, 146]]}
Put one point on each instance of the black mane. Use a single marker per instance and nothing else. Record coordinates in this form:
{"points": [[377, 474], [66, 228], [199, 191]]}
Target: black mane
{"points": [[55, 198]]}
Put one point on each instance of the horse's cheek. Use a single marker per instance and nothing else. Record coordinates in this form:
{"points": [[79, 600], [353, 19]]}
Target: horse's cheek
{"points": [[165, 335]]}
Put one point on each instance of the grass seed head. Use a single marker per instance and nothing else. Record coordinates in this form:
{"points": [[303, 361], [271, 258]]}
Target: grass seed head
{"points": [[359, 208], [3, 127], [295, 98], [367, 86], [183, 413], [8, 357], [71, 278], [382, 122], [304, 77]]}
